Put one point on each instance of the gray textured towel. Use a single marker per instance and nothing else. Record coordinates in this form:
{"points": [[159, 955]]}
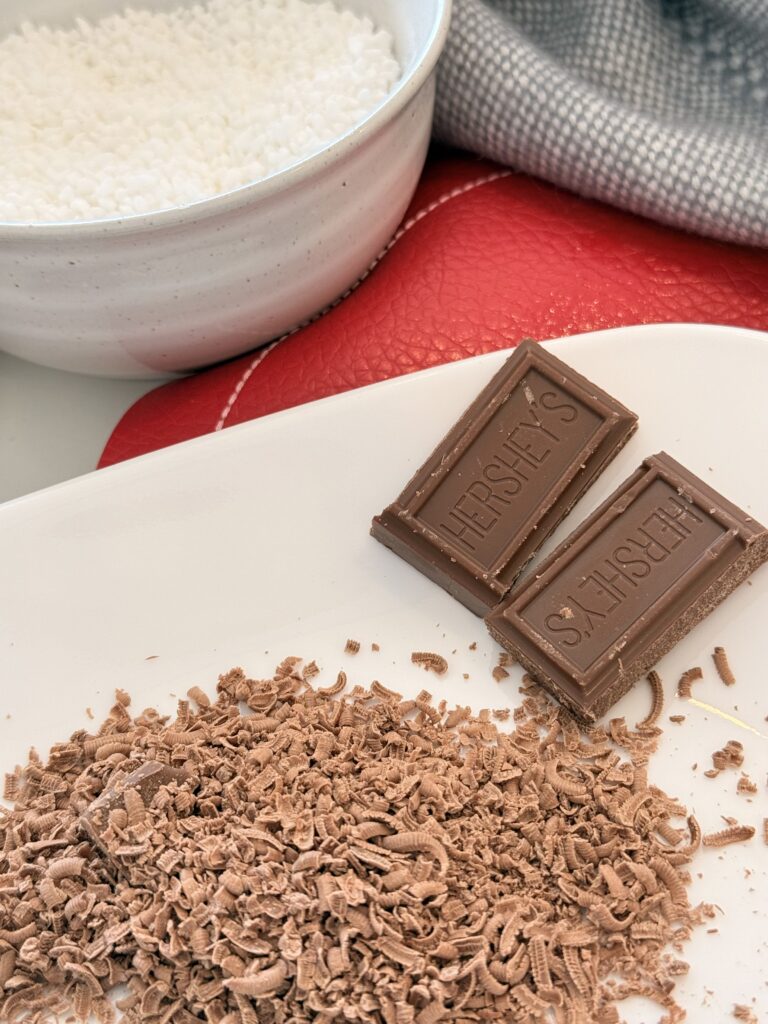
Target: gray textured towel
{"points": [[658, 106]]}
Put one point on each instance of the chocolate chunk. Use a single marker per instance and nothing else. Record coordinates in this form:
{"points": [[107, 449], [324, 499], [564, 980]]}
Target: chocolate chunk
{"points": [[632, 580], [146, 780], [504, 476]]}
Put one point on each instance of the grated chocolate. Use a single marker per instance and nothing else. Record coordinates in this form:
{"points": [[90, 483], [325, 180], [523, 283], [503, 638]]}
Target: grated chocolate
{"points": [[300, 854]]}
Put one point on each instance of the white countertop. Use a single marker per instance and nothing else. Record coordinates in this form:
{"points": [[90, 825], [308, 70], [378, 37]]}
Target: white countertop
{"points": [[54, 425]]}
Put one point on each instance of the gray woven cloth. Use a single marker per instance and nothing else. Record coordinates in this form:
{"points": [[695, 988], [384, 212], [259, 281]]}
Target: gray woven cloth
{"points": [[657, 106]]}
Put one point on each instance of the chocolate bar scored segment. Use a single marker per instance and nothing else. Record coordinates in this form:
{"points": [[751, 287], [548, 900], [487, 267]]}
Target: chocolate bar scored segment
{"points": [[630, 582], [505, 476]]}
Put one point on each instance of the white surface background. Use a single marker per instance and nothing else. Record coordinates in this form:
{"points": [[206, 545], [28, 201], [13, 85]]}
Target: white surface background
{"points": [[245, 546], [54, 425]]}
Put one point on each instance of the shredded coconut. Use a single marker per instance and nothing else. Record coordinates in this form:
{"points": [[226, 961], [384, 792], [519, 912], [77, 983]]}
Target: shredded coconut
{"points": [[148, 110]]}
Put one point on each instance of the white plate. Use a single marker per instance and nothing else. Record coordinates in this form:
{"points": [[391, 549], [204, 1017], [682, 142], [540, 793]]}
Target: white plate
{"points": [[243, 547]]}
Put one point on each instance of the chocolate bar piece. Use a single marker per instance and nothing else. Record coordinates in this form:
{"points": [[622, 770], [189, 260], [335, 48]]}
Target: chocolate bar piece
{"points": [[632, 580], [504, 476]]}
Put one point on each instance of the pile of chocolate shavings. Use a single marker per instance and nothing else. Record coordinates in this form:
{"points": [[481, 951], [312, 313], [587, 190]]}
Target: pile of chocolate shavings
{"points": [[360, 858]]}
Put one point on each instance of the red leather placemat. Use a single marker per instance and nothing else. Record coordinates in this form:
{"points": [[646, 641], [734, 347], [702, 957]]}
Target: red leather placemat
{"points": [[484, 257]]}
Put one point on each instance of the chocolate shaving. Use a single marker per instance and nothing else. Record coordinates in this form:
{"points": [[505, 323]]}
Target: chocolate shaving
{"points": [[746, 785], [686, 680], [311, 852], [731, 756], [727, 836], [352, 647], [430, 661], [720, 659], [309, 671], [743, 1013], [657, 702]]}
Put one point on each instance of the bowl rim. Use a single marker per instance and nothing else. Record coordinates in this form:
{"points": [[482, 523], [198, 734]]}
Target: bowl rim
{"points": [[293, 175]]}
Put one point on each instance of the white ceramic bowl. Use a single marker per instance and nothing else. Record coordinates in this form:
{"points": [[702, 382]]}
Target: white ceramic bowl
{"points": [[158, 293]]}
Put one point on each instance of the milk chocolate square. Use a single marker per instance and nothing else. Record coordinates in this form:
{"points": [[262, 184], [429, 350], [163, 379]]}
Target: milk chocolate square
{"points": [[630, 582], [505, 476]]}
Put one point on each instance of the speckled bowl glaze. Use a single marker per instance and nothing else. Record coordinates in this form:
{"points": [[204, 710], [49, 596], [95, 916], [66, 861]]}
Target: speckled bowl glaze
{"points": [[163, 293]]}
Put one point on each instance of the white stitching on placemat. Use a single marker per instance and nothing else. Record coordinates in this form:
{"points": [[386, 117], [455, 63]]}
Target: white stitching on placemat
{"points": [[460, 190], [263, 353]]}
